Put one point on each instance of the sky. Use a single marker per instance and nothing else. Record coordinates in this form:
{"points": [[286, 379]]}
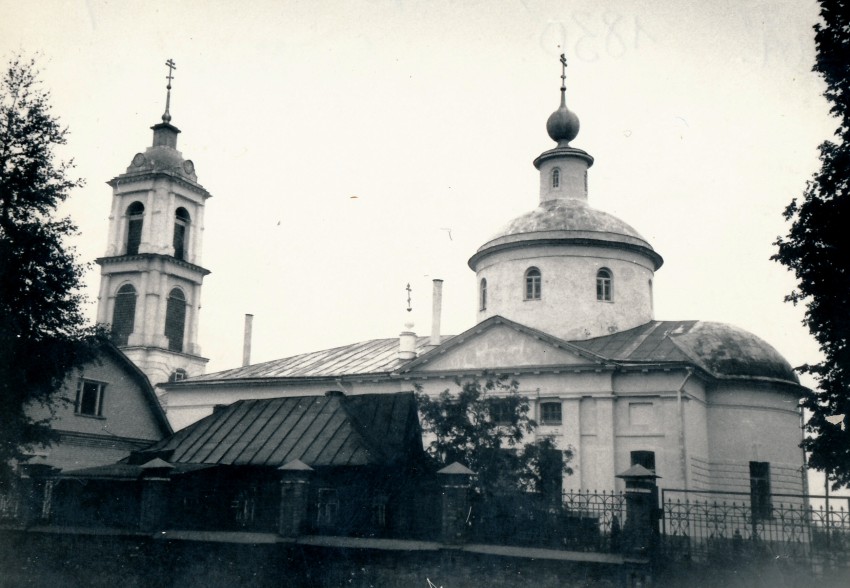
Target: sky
{"points": [[352, 148]]}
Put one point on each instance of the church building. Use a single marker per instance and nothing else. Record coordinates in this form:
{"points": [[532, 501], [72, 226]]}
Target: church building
{"points": [[565, 307]]}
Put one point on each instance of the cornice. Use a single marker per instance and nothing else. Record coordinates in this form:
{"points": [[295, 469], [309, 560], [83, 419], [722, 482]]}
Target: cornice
{"points": [[530, 240], [129, 178], [143, 256]]}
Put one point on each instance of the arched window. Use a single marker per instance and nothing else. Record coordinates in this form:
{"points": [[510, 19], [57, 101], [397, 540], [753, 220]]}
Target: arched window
{"points": [[181, 223], [124, 314], [532, 284], [482, 295], [175, 319], [135, 219], [556, 178], [604, 284]]}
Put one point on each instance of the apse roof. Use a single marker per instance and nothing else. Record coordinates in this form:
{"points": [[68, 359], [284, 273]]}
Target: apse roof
{"points": [[330, 430], [722, 350]]}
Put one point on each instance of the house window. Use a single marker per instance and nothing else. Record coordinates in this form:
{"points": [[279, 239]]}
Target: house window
{"points": [[604, 284], [760, 489], [483, 295], [244, 506], [532, 284], [550, 413], [135, 219], [501, 411], [328, 507], [556, 178], [644, 458], [379, 511], [181, 223], [124, 314], [175, 319], [89, 398]]}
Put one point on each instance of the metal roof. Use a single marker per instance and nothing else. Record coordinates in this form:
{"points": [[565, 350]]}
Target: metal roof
{"points": [[722, 350], [329, 430], [376, 356]]}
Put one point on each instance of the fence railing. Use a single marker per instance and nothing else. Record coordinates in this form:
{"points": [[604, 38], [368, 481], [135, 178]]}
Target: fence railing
{"points": [[713, 526], [581, 520]]}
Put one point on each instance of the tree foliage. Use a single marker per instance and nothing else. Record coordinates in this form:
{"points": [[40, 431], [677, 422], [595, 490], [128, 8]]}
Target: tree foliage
{"points": [[486, 426], [817, 250], [42, 328]]}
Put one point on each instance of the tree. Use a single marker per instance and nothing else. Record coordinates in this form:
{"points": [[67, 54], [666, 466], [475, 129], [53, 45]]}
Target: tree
{"points": [[486, 426], [42, 328], [817, 250]]}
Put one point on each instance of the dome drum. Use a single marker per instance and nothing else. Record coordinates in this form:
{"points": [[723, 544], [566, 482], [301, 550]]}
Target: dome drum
{"points": [[569, 306]]}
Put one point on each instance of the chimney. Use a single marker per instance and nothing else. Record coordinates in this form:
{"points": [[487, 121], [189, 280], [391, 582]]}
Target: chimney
{"points": [[436, 312], [246, 344], [407, 342]]}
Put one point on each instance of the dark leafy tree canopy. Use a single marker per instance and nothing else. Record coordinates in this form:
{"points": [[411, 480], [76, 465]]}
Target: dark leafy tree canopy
{"points": [[817, 250], [42, 329], [486, 426]]}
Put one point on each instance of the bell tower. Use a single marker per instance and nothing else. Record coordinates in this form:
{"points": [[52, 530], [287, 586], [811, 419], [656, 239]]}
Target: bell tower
{"points": [[151, 275]]}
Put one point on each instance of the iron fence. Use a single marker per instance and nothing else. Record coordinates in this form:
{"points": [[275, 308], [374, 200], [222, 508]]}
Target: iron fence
{"points": [[581, 521], [714, 526]]}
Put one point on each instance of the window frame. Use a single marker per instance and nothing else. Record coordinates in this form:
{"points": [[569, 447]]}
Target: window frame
{"points": [[123, 297], [556, 177], [604, 285], [643, 457], [327, 506], [172, 326], [97, 410], [135, 225], [550, 420], [533, 284], [761, 504], [482, 294], [180, 235]]}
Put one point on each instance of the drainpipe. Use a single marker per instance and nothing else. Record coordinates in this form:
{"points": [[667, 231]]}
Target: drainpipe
{"points": [[683, 454]]}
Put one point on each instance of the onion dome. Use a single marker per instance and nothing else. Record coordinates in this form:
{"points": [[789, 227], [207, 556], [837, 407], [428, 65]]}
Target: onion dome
{"points": [[563, 124]]}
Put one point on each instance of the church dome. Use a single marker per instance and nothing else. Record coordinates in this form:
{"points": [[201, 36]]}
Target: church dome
{"points": [[562, 125], [569, 220]]}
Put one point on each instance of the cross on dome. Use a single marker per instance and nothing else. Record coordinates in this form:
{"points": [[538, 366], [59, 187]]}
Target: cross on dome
{"points": [[166, 116], [563, 124]]}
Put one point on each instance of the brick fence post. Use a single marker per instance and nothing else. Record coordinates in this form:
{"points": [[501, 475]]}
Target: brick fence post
{"points": [[153, 508], [640, 532], [455, 482], [294, 498]]}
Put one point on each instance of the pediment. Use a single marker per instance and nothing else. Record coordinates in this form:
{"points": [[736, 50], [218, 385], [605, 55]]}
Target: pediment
{"points": [[498, 344]]}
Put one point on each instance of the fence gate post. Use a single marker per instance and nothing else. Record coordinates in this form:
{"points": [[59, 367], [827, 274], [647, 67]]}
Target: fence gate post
{"points": [[154, 503], [455, 481], [640, 532], [294, 497]]}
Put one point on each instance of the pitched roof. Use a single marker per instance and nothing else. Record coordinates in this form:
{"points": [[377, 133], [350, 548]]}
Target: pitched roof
{"points": [[329, 430], [144, 384], [720, 350], [376, 356]]}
